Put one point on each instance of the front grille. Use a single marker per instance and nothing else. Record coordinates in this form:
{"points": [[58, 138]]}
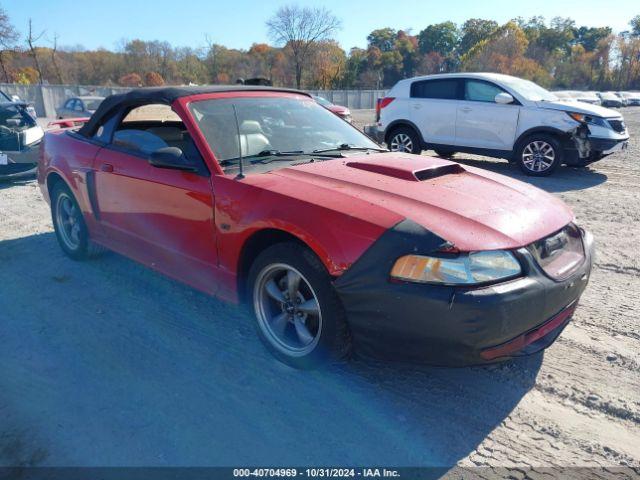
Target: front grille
{"points": [[560, 254], [617, 125]]}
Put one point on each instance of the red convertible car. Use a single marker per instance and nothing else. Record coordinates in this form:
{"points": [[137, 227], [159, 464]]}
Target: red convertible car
{"points": [[260, 194]]}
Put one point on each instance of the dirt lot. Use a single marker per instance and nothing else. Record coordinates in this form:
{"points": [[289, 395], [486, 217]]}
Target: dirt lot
{"points": [[107, 363]]}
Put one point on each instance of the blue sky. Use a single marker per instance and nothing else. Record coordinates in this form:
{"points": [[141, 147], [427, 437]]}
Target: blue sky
{"points": [[239, 23]]}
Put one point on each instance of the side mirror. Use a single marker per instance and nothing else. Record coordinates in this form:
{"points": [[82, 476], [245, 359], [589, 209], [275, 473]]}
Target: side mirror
{"points": [[503, 98], [171, 158]]}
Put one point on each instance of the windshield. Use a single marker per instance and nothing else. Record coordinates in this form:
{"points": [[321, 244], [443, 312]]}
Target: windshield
{"points": [[529, 90], [93, 104], [267, 126]]}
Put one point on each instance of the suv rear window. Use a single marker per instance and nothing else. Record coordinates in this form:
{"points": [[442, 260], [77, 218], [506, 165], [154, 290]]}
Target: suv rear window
{"points": [[447, 89]]}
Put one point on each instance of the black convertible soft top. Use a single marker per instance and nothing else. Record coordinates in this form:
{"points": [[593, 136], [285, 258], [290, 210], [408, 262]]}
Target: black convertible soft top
{"points": [[164, 95]]}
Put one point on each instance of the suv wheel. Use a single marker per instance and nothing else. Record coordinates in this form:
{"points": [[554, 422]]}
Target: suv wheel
{"points": [[298, 313], [404, 139], [539, 155]]}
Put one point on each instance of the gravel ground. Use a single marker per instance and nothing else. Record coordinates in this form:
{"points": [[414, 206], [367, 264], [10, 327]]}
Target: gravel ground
{"points": [[106, 363]]}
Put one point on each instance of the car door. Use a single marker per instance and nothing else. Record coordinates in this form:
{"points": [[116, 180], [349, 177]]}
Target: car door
{"points": [[432, 108], [158, 216], [483, 123]]}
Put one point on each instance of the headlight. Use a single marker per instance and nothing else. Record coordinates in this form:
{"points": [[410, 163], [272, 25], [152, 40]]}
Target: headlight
{"points": [[588, 119], [348, 118], [465, 269]]}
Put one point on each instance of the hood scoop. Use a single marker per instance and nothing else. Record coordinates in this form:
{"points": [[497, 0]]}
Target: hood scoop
{"points": [[419, 175]]}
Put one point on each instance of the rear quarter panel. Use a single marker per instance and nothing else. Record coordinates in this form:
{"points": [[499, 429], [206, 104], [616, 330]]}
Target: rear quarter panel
{"points": [[71, 158]]}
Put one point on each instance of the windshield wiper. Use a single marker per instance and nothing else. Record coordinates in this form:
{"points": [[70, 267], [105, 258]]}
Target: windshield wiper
{"points": [[266, 156], [346, 146]]}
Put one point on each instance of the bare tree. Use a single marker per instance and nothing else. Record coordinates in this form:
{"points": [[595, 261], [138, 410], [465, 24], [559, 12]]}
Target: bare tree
{"points": [[8, 38], [31, 41], [300, 29], [54, 59]]}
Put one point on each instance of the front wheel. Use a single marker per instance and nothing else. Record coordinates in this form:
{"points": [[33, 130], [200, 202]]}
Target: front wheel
{"points": [[539, 155], [298, 313], [404, 139]]}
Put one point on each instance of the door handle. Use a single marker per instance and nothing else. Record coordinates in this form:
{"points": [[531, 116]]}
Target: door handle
{"points": [[106, 167], [466, 109]]}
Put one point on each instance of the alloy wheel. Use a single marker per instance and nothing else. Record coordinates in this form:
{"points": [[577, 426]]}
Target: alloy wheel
{"points": [[69, 221], [287, 309], [401, 142], [538, 156]]}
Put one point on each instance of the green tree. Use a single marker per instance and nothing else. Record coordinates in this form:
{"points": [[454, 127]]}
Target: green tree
{"points": [[383, 39], [589, 37], [473, 31], [635, 26], [441, 38]]}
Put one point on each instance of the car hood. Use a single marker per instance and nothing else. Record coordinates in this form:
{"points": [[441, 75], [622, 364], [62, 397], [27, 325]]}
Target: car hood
{"points": [[580, 107], [472, 208]]}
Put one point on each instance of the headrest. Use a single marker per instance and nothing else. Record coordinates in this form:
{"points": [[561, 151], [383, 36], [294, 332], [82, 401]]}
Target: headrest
{"points": [[249, 127]]}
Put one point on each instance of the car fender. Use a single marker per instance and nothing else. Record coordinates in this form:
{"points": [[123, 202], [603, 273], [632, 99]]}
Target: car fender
{"points": [[402, 123], [338, 236], [562, 134]]}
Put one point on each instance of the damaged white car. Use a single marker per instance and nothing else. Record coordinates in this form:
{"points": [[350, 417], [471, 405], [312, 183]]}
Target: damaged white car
{"points": [[499, 116], [20, 138]]}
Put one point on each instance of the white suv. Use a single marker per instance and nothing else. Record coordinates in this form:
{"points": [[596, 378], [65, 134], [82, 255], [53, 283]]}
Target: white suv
{"points": [[498, 116]]}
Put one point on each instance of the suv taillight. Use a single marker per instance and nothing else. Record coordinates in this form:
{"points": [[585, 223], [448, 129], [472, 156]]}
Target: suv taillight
{"points": [[381, 103]]}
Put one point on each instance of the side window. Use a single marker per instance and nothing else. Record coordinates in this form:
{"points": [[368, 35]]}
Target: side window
{"points": [[148, 128], [79, 106], [69, 105], [136, 133], [444, 89], [479, 91]]}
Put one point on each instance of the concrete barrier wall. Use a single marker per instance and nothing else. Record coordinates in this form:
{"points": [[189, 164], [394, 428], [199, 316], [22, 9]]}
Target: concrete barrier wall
{"points": [[46, 98]]}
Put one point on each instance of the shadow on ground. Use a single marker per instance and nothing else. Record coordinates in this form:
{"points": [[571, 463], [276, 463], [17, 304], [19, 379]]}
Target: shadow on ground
{"points": [[107, 363], [562, 180], [4, 183]]}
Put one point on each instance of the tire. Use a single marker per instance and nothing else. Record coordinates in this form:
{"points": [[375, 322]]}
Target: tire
{"points": [[445, 153], [539, 155], [69, 225], [404, 139], [301, 339]]}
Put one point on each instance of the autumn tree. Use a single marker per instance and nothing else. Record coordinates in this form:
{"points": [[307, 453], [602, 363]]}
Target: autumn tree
{"points": [[300, 29], [130, 80], [153, 79]]}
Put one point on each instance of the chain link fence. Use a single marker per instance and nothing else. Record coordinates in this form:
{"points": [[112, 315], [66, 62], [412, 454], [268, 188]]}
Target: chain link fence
{"points": [[46, 98]]}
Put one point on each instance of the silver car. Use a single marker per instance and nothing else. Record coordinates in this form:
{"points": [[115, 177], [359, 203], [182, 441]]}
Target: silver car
{"points": [[76, 107]]}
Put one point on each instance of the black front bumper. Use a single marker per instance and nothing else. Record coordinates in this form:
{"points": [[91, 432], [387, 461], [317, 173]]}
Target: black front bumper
{"points": [[21, 163], [453, 326]]}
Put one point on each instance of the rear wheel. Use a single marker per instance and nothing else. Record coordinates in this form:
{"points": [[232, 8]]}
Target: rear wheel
{"points": [[69, 225], [298, 313], [539, 155], [404, 139]]}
